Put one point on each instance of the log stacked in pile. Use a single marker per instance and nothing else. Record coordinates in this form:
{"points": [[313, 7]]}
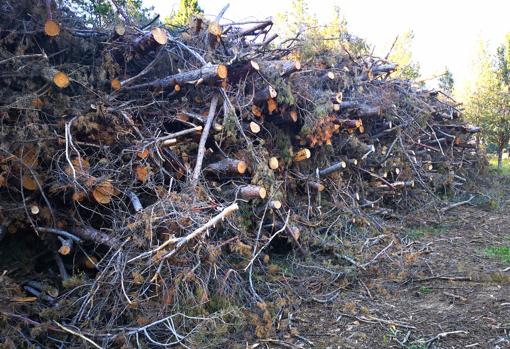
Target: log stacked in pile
{"points": [[146, 173]]}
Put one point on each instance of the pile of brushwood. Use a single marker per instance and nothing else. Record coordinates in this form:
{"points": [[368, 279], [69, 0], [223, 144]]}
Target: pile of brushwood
{"points": [[149, 174]]}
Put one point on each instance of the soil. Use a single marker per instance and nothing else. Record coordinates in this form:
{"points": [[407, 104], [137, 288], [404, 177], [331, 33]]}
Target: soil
{"points": [[439, 287]]}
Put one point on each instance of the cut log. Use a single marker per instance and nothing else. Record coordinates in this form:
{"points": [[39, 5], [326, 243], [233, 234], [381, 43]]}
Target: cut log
{"points": [[317, 186], [273, 163], [169, 142], [91, 262], [206, 74], [302, 154], [150, 41], [256, 111], [240, 71], [349, 123], [91, 234], [328, 76], [228, 166], [279, 68], [252, 127], [56, 77], [271, 106], [275, 204], [254, 30], [214, 34], [396, 185], [250, 192], [34, 209], [293, 115], [65, 248], [51, 28], [263, 95], [355, 147], [333, 168], [119, 30], [337, 98], [376, 71], [115, 84], [367, 111]]}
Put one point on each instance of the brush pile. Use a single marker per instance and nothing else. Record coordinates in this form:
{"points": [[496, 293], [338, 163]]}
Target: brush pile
{"points": [[147, 174]]}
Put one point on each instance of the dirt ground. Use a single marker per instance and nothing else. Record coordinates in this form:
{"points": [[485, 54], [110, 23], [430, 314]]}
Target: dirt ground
{"points": [[439, 286]]}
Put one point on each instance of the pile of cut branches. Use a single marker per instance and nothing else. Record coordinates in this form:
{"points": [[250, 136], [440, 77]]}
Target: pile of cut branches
{"points": [[147, 175]]}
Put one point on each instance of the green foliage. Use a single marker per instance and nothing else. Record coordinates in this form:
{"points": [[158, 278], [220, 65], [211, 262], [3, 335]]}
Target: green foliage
{"points": [[421, 231], [489, 104], [502, 253], [187, 9], [315, 39], [505, 166], [100, 13], [424, 290], [402, 54], [446, 82]]}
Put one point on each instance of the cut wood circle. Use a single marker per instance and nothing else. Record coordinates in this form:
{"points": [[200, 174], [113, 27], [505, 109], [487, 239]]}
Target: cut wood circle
{"points": [[273, 163], [103, 192], [275, 204], [241, 167], [159, 35], [29, 182], [51, 28], [249, 192], [34, 209], [293, 115], [61, 79], [222, 71], [90, 262], [214, 29], [115, 84], [254, 127], [120, 29], [302, 154]]}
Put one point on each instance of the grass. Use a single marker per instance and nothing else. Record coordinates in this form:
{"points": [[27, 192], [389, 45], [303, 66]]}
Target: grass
{"points": [[425, 290], [421, 231], [505, 169], [500, 252]]}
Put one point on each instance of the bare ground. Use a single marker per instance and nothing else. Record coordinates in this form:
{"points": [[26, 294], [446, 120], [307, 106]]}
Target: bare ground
{"points": [[437, 287]]}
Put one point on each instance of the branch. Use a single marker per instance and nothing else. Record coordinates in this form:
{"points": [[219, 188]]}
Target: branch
{"points": [[203, 139]]}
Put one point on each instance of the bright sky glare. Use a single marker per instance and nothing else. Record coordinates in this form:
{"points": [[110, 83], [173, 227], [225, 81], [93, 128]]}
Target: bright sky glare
{"points": [[446, 31]]}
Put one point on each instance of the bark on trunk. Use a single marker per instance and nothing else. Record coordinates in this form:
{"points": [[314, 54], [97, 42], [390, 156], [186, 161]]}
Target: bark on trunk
{"points": [[228, 166], [208, 74]]}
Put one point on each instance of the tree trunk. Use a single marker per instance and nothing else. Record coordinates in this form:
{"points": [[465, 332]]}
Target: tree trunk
{"points": [[500, 157], [206, 74]]}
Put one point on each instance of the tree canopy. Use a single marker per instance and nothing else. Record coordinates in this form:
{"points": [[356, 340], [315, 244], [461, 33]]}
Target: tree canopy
{"points": [[446, 82], [300, 22], [489, 103], [402, 54], [187, 8]]}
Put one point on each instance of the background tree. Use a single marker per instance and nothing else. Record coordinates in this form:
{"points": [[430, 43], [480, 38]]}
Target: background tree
{"points": [[489, 103], [314, 39], [100, 13], [187, 8], [446, 82], [402, 54]]}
